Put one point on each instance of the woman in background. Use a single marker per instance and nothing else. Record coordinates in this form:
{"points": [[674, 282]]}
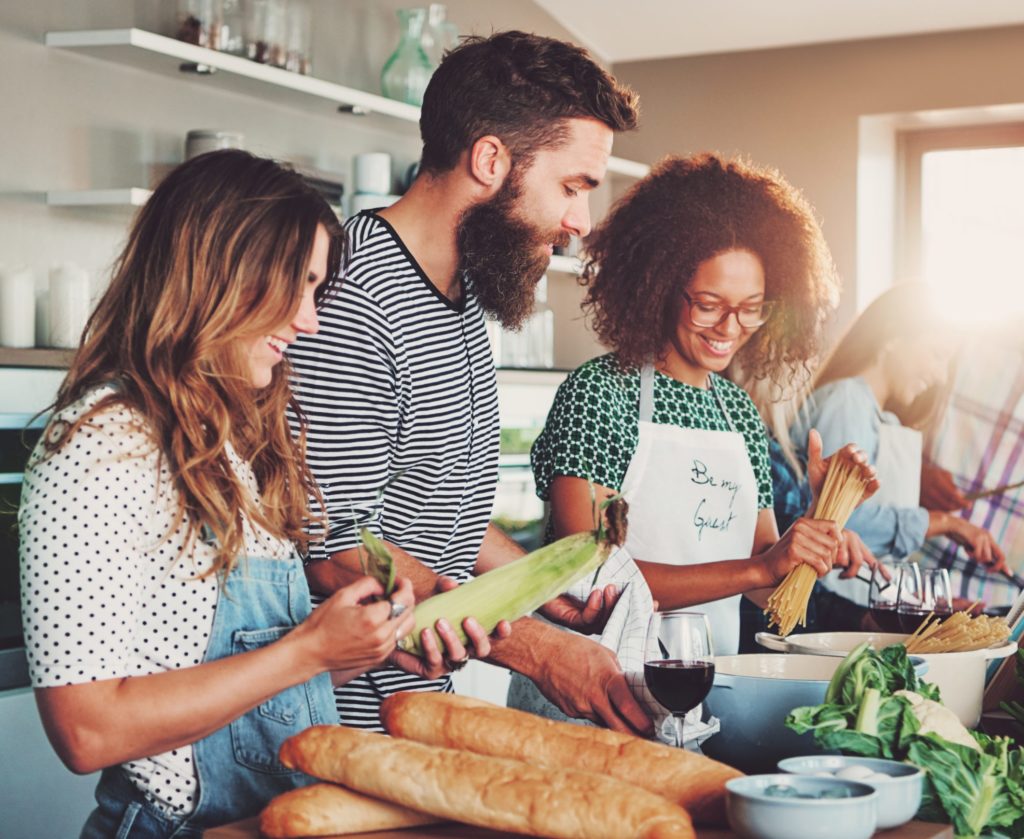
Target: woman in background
{"points": [[167, 620], [893, 361]]}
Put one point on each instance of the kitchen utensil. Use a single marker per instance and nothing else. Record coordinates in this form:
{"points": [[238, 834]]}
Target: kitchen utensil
{"points": [[960, 677], [201, 140], [17, 307], [753, 694], [756, 813], [372, 173], [899, 793]]}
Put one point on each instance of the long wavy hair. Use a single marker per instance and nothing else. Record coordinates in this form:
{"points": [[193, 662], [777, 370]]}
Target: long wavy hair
{"points": [[644, 254], [906, 310], [217, 257]]}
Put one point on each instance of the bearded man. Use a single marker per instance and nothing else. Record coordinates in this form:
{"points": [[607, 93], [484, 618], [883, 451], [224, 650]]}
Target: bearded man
{"points": [[399, 385]]}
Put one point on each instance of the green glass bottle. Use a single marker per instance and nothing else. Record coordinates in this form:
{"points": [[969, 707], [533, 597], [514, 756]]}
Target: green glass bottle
{"points": [[407, 71]]}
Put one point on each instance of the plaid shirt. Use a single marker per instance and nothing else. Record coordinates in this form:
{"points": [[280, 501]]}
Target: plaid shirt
{"points": [[980, 440]]}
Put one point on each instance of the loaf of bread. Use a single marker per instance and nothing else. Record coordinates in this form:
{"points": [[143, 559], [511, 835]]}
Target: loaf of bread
{"points": [[330, 810], [688, 779], [485, 791]]}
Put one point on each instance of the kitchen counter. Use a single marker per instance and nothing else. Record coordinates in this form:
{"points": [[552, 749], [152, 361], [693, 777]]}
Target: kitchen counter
{"points": [[247, 830]]}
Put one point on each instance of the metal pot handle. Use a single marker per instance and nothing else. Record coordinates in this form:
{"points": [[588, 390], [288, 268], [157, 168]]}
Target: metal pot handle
{"points": [[1007, 649], [776, 643]]}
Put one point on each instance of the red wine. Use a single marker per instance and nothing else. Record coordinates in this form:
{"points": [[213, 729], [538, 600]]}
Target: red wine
{"points": [[679, 685], [887, 619], [911, 619]]}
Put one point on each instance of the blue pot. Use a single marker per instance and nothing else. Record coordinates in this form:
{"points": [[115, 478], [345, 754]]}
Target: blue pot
{"points": [[753, 694]]}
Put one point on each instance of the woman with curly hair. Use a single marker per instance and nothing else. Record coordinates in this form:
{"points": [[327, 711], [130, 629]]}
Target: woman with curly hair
{"points": [[705, 261], [170, 636]]}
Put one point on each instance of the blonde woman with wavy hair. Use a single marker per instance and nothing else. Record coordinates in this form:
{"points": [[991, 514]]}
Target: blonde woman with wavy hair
{"points": [[169, 629]]}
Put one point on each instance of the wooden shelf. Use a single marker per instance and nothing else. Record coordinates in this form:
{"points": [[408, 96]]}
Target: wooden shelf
{"points": [[168, 56], [35, 357]]}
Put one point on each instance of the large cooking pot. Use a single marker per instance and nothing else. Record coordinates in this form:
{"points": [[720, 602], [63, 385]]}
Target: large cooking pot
{"points": [[960, 677], [752, 696]]}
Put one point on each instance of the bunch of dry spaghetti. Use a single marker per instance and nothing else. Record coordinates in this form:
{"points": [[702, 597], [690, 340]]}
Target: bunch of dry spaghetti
{"points": [[841, 493], [957, 633]]}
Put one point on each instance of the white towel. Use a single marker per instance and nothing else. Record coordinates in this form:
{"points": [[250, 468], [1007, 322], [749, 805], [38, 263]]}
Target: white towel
{"points": [[625, 634]]}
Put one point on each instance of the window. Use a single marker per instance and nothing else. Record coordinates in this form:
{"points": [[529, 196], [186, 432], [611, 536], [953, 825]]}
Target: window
{"points": [[963, 219]]}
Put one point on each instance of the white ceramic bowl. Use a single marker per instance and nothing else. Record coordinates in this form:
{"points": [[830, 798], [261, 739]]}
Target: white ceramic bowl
{"points": [[899, 795], [755, 815], [960, 677]]}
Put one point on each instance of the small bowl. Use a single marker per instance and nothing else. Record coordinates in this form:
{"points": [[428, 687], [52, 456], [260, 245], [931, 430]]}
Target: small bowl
{"points": [[899, 797], [753, 814]]}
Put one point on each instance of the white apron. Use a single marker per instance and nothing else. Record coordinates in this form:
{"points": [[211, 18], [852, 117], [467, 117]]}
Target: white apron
{"points": [[898, 466], [692, 499]]}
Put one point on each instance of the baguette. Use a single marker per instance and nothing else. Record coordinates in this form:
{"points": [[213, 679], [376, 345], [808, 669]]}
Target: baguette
{"points": [[690, 780], [330, 810], [484, 791]]}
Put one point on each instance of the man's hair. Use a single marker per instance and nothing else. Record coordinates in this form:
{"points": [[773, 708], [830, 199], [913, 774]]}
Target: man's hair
{"points": [[521, 88]]}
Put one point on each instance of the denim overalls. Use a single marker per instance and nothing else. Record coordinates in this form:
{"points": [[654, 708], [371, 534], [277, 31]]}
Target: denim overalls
{"points": [[261, 600]]}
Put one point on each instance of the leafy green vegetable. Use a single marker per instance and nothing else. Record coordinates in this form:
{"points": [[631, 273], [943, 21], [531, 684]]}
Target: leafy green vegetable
{"points": [[377, 561], [977, 791]]}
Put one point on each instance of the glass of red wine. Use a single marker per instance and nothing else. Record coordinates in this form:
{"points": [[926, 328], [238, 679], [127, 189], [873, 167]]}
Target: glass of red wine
{"points": [[933, 597], [892, 584], [679, 663]]}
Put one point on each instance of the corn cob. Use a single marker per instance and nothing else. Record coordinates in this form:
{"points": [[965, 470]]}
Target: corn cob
{"points": [[516, 589], [377, 561]]}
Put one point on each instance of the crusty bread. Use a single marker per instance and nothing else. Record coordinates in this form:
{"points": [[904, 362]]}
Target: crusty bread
{"points": [[485, 791], [690, 780], [330, 810]]}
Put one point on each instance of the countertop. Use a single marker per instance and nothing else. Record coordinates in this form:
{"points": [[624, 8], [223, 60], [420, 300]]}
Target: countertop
{"points": [[247, 830]]}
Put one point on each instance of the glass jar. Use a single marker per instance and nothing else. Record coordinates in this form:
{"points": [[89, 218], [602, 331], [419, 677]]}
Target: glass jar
{"points": [[439, 34], [299, 38], [229, 22], [407, 71], [195, 21], [265, 31]]}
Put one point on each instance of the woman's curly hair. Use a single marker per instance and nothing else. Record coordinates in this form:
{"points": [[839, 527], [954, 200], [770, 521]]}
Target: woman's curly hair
{"points": [[688, 210]]}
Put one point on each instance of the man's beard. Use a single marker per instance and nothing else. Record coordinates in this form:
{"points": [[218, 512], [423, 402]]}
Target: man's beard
{"points": [[502, 257]]}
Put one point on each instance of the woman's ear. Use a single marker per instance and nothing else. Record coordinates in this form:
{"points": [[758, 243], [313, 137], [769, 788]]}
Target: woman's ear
{"points": [[490, 162]]}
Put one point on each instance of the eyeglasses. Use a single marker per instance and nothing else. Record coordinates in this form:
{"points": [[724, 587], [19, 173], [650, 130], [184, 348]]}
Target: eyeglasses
{"points": [[707, 314]]}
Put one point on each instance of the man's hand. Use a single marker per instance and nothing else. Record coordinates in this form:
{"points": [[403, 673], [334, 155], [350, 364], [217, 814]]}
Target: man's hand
{"points": [[587, 618], [585, 681], [938, 492], [435, 662]]}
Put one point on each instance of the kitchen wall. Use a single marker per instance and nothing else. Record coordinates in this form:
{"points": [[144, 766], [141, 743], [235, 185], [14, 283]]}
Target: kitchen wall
{"points": [[77, 122], [806, 111], [73, 121]]}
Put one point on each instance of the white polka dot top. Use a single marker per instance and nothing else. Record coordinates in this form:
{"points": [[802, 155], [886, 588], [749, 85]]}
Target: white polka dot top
{"points": [[105, 593]]}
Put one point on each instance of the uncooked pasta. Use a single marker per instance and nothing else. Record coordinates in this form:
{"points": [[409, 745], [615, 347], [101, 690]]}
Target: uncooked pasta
{"points": [[841, 493], [957, 633]]}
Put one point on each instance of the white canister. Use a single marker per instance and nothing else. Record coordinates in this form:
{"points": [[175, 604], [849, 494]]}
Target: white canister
{"points": [[17, 307], [200, 141], [373, 173], [70, 304]]}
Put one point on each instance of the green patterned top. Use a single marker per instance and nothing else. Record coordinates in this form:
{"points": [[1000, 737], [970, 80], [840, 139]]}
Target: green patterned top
{"points": [[591, 430]]}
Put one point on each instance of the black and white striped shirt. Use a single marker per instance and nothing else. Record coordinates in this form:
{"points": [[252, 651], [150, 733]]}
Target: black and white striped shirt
{"points": [[400, 392]]}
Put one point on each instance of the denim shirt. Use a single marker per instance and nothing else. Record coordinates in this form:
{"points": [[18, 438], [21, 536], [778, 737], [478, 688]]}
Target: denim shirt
{"points": [[844, 412]]}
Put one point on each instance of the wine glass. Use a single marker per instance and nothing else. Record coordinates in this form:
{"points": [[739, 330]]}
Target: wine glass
{"points": [[679, 662], [931, 594], [938, 593], [890, 581]]}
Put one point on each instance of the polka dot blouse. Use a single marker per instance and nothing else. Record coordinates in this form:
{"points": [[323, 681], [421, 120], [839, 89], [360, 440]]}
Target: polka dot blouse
{"points": [[591, 431], [106, 592]]}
